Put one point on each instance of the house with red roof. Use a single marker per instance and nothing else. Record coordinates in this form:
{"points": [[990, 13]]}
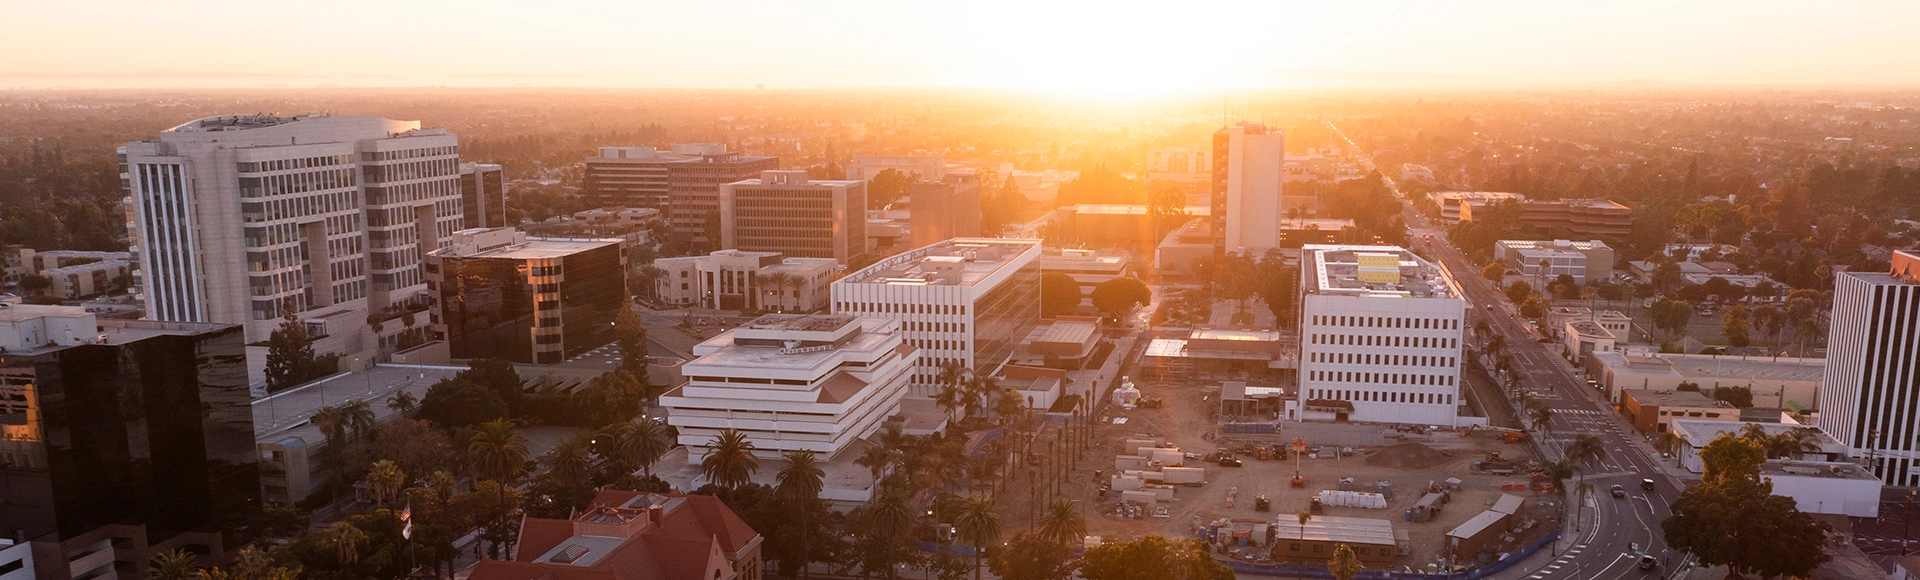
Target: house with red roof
{"points": [[631, 535]]}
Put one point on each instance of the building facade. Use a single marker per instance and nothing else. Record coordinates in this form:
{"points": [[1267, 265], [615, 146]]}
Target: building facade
{"points": [[741, 280], [683, 181], [1586, 261], [234, 219], [783, 211], [1248, 163], [123, 439], [1188, 168], [965, 301], [814, 382], [500, 294], [1381, 334], [483, 195], [944, 209], [927, 167], [1867, 396], [1457, 205]]}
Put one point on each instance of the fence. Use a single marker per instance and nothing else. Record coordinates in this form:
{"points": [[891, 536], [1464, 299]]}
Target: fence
{"points": [[1496, 567]]}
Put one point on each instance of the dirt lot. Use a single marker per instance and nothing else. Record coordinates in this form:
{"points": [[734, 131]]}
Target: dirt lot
{"points": [[1185, 422]]}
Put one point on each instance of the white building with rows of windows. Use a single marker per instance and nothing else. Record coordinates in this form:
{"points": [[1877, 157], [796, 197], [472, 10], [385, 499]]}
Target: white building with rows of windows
{"points": [[1381, 337], [965, 300], [1868, 396], [814, 382]]}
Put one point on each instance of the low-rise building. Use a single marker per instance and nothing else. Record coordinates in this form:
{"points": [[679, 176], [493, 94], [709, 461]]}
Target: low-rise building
{"points": [[631, 535], [1582, 338], [1785, 382], [1185, 249], [1655, 411], [1209, 352], [1088, 268], [1694, 435], [1586, 218], [500, 294], [89, 279], [813, 382], [1039, 386], [1065, 341], [1819, 487], [1453, 202], [1585, 261], [1614, 321], [737, 279], [1372, 540]]}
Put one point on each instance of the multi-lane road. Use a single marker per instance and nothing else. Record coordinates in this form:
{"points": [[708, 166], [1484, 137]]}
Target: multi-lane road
{"points": [[1605, 532]]}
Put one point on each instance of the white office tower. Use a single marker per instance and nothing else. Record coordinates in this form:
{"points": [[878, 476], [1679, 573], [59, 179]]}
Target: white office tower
{"points": [[1381, 334], [965, 300], [1248, 213], [812, 382], [1869, 398], [233, 217]]}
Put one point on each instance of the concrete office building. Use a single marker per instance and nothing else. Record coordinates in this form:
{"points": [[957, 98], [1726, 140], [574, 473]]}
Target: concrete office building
{"points": [[783, 211], [1381, 332], [944, 209], [1188, 168], [90, 279], [483, 195], [1655, 411], [684, 181], [1248, 162], [1787, 383], [1585, 261], [741, 280], [930, 168], [122, 439], [1577, 217], [235, 218], [1456, 205], [814, 382], [965, 301], [1868, 395], [500, 294]]}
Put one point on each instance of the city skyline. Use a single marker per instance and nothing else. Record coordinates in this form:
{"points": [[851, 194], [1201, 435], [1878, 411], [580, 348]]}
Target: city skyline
{"points": [[1119, 51]]}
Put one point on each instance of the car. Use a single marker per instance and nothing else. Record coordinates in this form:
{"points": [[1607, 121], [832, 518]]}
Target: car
{"points": [[1648, 563], [1618, 491], [1646, 484], [1229, 462]]}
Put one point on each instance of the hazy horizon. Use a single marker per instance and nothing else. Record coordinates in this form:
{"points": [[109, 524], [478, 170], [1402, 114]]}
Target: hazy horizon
{"points": [[1115, 49]]}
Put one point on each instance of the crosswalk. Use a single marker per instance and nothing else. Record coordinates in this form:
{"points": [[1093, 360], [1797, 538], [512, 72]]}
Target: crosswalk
{"points": [[1549, 571]]}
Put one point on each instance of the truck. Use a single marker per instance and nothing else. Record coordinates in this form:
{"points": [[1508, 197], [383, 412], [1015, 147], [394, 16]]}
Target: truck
{"points": [[1188, 476]]}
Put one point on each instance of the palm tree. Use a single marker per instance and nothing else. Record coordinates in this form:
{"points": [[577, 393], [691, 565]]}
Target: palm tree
{"points": [[346, 539], [637, 444], [570, 460], [800, 482], [1667, 442], [876, 458], [729, 461], [385, 479], [332, 423], [497, 451], [402, 402], [359, 416], [1586, 449], [1344, 564], [977, 391], [1062, 524], [978, 526], [952, 380], [251, 564], [1583, 489], [172, 565], [949, 397], [375, 324], [1558, 471], [1539, 416]]}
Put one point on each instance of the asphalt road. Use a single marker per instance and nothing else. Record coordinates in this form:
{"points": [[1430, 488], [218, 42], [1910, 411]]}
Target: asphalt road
{"points": [[1605, 531]]}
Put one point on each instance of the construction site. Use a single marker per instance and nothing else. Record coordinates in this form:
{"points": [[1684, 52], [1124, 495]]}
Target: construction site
{"points": [[1405, 498]]}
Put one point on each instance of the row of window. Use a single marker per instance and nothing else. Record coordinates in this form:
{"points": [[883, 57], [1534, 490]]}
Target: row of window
{"points": [[1359, 358], [1382, 378], [858, 308], [917, 326], [1387, 322], [298, 207], [301, 163], [409, 153], [408, 192], [412, 170], [1381, 396], [1395, 341], [271, 185]]}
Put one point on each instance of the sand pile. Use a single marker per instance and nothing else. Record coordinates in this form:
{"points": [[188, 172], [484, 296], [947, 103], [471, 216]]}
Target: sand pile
{"points": [[1407, 456]]}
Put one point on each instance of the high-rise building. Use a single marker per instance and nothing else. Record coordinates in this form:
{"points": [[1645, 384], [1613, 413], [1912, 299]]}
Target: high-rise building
{"points": [[236, 218], [1248, 163], [500, 294], [944, 209], [814, 382], [1380, 336], [783, 211], [683, 181], [1868, 396], [483, 195], [122, 439], [965, 301]]}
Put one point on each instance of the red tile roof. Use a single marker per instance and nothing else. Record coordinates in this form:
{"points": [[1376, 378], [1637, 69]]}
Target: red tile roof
{"points": [[676, 548]]}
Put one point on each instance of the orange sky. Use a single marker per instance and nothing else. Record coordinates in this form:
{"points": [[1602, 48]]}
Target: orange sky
{"points": [[1108, 48]]}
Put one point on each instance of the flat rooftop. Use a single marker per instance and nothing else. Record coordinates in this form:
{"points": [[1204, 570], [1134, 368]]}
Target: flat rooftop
{"points": [[538, 248], [1555, 244], [955, 262], [1700, 432], [725, 352], [1388, 272], [1589, 328], [1474, 195], [1673, 398], [1128, 209], [239, 122], [804, 322], [289, 413], [1237, 335], [1337, 529], [1758, 369], [1778, 468]]}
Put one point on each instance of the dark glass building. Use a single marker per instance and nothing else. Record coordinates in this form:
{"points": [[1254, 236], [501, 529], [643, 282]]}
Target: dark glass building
{"points": [[122, 439], [500, 294], [483, 195]]}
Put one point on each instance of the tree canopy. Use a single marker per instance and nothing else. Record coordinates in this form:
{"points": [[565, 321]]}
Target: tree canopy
{"points": [[1058, 294], [1732, 518], [1119, 296]]}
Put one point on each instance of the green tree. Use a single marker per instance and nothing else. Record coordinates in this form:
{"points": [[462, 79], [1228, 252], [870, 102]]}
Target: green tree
{"points": [[637, 444], [799, 483], [289, 352], [497, 451], [1518, 291], [1540, 416], [630, 335], [887, 187], [1058, 294], [173, 565], [978, 525], [1119, 296], [1344, 565], [1062, 524], [1737, 324], [1586, 449], [1733, 519], [1494, 272], [1030, 557], [402, 402], [1672, 316], [1152, 558], [729, 461], [384, 479], [1741, 397], [35, 284]]}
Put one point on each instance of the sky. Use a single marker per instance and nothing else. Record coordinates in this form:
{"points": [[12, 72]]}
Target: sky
{"points": [[1115, 47]]}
